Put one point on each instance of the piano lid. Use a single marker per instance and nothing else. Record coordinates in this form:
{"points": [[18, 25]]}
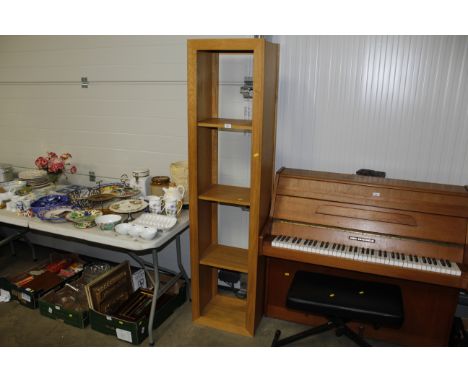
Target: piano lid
{"points": [[435, 198]]}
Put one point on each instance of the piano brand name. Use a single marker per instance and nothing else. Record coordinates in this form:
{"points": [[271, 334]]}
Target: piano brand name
{"points": [[358, 238]]}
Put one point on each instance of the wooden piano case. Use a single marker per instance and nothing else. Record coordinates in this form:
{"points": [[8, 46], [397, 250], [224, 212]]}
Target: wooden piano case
{"points": [[393, 215]]}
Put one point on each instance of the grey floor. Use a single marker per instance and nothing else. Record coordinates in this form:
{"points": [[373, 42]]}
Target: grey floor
{"points": [[21, 326]]}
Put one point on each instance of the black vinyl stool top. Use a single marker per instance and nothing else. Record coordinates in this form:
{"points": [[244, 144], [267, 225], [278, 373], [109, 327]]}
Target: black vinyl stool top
{"points": [[349, 299]]}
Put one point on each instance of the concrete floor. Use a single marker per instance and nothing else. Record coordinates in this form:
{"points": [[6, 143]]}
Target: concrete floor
{"points": [[21, 326]]}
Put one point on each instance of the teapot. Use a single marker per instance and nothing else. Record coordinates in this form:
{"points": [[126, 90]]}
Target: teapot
{"points": [[174, 193]]}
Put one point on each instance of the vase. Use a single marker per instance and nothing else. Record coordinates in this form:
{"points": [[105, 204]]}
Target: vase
{"points": [[53, 177]]}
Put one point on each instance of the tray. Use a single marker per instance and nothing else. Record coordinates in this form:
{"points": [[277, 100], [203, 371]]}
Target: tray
{"points": [[161, 222]]}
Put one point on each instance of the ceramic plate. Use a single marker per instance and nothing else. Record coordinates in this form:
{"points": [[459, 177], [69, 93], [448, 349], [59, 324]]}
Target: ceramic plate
{"points": [[128, 206]]}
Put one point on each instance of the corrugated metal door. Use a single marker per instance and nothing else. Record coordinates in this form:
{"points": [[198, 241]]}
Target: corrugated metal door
{"points": [[392, 103]]}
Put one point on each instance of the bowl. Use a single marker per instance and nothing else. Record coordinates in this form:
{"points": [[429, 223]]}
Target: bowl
{"points": [[83, 218], [148, 233], [135, 230], [108, 222], [122, 228]]}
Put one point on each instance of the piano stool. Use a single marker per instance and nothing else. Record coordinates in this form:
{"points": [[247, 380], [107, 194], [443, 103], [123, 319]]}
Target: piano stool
{"points": [[341, 300]]}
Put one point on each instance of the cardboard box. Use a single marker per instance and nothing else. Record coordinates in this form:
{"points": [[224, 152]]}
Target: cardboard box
{"points": [[29, 294], [131, 331], [136, 332]]}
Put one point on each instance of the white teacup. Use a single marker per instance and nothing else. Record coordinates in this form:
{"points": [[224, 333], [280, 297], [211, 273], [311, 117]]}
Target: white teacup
{"points": [[155, 204], [122, 228], [135, 230], [148, 233]]}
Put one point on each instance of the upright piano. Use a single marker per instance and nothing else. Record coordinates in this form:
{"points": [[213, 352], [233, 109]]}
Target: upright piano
{"points": [[411, 234]]}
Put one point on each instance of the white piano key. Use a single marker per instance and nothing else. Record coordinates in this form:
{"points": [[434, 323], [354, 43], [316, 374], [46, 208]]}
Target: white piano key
{"points": [[355, 253]]}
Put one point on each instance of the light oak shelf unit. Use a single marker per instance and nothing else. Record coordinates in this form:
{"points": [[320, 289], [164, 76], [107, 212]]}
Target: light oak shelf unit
{"points": [[238, 196], [225, 257], [209, 305], [224, 123]]}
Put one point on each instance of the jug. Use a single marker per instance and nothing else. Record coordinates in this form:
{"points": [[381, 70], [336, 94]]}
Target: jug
{"points": [[174, 192]]}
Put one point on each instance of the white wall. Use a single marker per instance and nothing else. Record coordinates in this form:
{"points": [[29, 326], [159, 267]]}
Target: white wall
{"points": [[133, 114], [391, 103]]}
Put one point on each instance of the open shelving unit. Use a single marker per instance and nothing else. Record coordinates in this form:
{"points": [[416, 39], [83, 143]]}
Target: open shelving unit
{"points": [[209, 305]]}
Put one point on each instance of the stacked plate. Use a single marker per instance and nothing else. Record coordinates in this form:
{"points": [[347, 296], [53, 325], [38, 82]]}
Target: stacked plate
{"points": [[35, 178]]}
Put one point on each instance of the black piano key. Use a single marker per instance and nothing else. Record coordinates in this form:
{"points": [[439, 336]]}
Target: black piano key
{"points": [[429, 260], [397, 256], [385, 254], [411, 257], [449, 264], [322, 244], [315, 243], [393, 255], [363, 250], [367, 251], [327, 245], [424, 260], [434, 261], [416, 258], [299, 241], [402, 256], [334, 246], [442, 262], [355, 249]]}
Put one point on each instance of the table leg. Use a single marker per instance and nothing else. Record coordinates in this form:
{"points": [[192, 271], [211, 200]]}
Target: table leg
{"points": [[140, 261], [181, 268], [31, 247], [155, 297]]}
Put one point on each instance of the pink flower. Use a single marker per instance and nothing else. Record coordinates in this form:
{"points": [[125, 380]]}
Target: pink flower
{"points": [[55, 165], [51, 154], [73, 170], [41, 163]]}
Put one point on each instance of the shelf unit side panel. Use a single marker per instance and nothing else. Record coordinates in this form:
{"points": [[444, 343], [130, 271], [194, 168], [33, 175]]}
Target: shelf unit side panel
{"points": [[255, 183], [271, 70]]}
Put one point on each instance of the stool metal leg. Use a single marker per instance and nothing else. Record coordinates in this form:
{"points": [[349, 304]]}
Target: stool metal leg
{"points": [[353, 336], [310, 332]]}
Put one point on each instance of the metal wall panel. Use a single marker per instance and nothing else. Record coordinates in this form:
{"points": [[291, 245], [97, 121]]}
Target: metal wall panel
{"points": [[391, 103]]}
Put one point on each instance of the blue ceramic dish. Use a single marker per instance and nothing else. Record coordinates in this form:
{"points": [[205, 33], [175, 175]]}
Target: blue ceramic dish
{"points": [[48, 201]]}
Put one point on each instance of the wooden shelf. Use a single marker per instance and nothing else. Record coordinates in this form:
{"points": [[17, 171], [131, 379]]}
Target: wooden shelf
{"points": [[239, 196], [225, 313], [227, 124], [224, 257]]}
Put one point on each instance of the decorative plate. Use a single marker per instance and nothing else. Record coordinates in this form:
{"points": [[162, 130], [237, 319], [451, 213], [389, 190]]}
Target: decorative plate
{"points": [[54, 214], [128, 206], [125, 192], [49, 201]]}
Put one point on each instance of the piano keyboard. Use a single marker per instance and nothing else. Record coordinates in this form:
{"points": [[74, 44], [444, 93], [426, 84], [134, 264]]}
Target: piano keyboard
{"points": [[396, 259]]}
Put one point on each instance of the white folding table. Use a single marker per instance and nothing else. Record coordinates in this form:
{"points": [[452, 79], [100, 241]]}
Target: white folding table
{"points": [[122, 243]]}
